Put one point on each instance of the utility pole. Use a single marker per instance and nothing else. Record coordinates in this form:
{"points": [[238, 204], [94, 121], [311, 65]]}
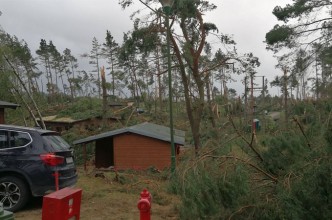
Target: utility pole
{"points": [[245, 98], [252, 101], [167, 7]]}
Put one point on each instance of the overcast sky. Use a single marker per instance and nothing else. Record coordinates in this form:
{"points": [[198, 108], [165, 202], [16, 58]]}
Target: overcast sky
{"points": [[73, 23]]}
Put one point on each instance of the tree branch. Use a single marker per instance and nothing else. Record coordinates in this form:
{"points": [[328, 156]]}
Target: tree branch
{"points": [[312, 30], [304, 25], [301, 128], [245, 140], [245, 162]]}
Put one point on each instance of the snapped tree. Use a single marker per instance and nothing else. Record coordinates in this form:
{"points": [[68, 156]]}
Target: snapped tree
{"points": [[189, 38]]}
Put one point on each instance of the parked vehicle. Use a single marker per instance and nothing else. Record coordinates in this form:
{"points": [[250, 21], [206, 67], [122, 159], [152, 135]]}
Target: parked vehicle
{"points": [[29, 158]]}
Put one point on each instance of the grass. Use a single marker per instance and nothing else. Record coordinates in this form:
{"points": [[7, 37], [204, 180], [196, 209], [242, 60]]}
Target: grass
{"points": [[105, 198]]}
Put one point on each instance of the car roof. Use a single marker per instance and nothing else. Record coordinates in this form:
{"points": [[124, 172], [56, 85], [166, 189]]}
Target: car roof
{"points": [[27, 129]]}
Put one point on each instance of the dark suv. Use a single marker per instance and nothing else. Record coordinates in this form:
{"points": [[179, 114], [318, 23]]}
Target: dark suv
{"points": [[29, 159]]}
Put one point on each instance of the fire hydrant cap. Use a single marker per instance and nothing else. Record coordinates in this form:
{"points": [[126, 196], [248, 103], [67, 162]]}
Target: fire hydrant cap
{"points": [[145, 194], [144, 205]]}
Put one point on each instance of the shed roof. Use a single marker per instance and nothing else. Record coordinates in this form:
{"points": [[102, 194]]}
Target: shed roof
{"points": [[145, 129], [4, 104], [54, 118], [67, 120]]}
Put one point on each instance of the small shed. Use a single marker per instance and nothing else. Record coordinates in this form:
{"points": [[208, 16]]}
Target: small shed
{"points": [[4, 105], [60, 124], [137, 147]]}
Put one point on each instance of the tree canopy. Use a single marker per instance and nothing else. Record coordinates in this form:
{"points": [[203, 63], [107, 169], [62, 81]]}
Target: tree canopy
{"points": [[305, 34], [191, 51], [303, 20]]}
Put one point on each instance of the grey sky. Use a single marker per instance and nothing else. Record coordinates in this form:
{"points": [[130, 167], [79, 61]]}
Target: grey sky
{"points": [[73, 23]]}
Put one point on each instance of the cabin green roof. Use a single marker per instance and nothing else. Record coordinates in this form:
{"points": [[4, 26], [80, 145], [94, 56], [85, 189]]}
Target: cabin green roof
{"points": [[145, 129]]}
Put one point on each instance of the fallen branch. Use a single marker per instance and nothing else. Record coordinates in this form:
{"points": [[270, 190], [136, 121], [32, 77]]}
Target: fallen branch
{"points": [[301, 128], [203, 156], [246, 162], [250, 144], [274, 179]]}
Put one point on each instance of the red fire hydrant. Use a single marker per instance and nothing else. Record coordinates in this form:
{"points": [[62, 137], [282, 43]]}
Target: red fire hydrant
{"points": [[144, 205]]}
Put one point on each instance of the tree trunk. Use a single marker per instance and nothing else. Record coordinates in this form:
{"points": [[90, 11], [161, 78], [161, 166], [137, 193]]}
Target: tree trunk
{"points": [[104, 90], [160, 91], [194, 106], [27, 106], [98, 78], [286, 97], [72, 87], [208, 94]]}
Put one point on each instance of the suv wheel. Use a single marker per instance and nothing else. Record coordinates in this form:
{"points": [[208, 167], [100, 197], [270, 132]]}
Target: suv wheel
{"points": [[14, 193]]}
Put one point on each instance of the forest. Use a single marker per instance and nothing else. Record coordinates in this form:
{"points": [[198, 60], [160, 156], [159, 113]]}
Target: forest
{"points": [[241, 161]]}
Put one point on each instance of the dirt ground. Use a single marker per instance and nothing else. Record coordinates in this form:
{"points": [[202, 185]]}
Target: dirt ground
{"points": [[106, 197]]}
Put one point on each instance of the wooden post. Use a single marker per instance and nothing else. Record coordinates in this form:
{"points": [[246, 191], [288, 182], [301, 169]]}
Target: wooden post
{"points": [[2, 116], [84, 156], [253, 125]]}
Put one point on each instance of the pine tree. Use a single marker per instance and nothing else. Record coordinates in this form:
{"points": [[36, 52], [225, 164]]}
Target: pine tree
{"points": [[70, 64], [95, 56], [110, 51]]}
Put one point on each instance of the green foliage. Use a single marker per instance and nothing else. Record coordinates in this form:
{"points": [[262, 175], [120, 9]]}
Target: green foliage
{"points": [[306, 112], [308, 197], [283, 151], [208, 192], [278, 34], [146, 38], [328, 136], [79, 155], [215, 185], [5, 85], [315, 130], [292, 11], [83, 108], [304, 19], [325, 106], [187, 8], [210, 27]]}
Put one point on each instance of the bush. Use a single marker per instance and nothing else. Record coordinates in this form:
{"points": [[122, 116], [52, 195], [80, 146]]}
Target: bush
{"points": [[283, 151], [208, 191]]}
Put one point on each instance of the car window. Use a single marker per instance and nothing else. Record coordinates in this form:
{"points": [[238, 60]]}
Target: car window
{"points": [[12, 139], [19, 139], [3, 139], [56, 142]]}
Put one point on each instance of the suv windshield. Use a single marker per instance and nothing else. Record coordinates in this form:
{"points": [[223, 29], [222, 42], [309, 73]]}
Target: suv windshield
{"points": [[56, 142]]}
